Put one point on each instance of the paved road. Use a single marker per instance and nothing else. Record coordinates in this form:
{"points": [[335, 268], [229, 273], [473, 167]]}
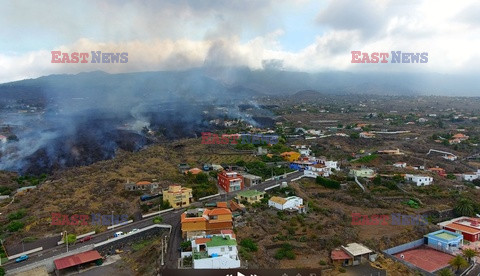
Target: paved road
{"points": [[172, 218]]}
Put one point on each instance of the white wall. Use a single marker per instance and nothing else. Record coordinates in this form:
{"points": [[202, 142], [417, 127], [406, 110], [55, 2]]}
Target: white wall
{"points": [[276, 205], [216, 263]]}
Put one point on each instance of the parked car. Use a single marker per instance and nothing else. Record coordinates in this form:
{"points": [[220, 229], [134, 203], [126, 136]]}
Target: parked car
{"points": [[84, 239], [118, 234], [21, 258], [134, 230]]}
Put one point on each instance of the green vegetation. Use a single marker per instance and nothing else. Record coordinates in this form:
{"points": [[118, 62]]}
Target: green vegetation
{"points": [[249, 244], [30, 180], [70, 238], [469, 254], [2, 271], [241, 146], [14, 226], [185, 245], [445, 272], [165, 205], [458, 262], [451, 176], [140, 245], [412, 204], [464, 207], [17, 215], [201, 185], [157, 219], [5, 190], [285, 252], [355, 135], [366, 159], [260, 168], [327, 183]]}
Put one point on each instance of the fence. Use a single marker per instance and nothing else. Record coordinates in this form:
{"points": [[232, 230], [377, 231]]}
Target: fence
{"points": [[157, 213], [403, 247]]}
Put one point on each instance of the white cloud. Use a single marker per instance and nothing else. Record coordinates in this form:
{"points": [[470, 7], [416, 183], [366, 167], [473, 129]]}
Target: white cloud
{"points": [[191, 34]]}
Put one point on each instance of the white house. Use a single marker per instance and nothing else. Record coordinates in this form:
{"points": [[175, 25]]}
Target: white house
{"points": [[317, 170], [215, 252], [420, 180], [400, 165], [367, 135], [332, 165], [3, 139], [292, 202], [471, 176]]}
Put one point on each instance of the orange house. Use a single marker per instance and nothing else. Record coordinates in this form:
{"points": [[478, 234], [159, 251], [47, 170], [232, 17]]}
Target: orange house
{"points": [[290, 155], [197, 222]]}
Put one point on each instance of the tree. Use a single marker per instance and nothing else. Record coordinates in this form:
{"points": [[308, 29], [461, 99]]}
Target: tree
{"points": [[458, 262], [464, 207], [469, 254], [2, 271], [476, 182], [354, 135], [70, 238], [445, 272], [157, 220]]}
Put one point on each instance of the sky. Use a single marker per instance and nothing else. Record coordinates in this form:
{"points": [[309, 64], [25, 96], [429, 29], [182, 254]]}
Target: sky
{"points": [[294, 35]]}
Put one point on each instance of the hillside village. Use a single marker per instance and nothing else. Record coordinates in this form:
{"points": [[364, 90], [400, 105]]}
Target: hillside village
{"points": [[311, 198]]}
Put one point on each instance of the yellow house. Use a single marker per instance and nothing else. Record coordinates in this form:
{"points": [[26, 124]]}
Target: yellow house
{"points": [[290, 155], [178, 196], [251, 196]]}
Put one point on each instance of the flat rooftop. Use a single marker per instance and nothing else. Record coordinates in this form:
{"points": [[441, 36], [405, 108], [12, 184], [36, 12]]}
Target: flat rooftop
{"points": [[357, 249], [446, 236]]}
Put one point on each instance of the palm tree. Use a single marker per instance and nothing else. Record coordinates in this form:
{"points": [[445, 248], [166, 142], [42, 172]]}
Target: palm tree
{"points": [[445, 272], [458, 262], [464, 207], [469, 253]]}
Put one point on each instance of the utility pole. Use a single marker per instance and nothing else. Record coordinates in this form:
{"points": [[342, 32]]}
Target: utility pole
{"points": [[112, 221], [166, 244], [66, 239], [162, 253]]}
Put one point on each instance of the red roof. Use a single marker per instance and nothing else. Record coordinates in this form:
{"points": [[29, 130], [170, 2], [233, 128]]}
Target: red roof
{"points": [[144, 183], [217, 211], [339, 254], [202, 240], [463, 228], [77, 259]]}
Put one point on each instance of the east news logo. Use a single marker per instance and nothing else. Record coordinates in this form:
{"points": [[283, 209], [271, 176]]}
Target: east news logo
{"points": [[396, 57]]}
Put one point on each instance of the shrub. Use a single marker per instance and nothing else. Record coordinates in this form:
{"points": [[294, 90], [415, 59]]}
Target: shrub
{"points": [[327, 183], [286, 251], [249, 244], [14, 226], [322, 262], [342, 270], [186, 245], [17, 215], [158, 219]]}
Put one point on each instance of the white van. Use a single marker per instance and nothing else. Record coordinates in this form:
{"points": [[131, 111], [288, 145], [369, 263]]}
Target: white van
{"points": [[118, 234]]}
